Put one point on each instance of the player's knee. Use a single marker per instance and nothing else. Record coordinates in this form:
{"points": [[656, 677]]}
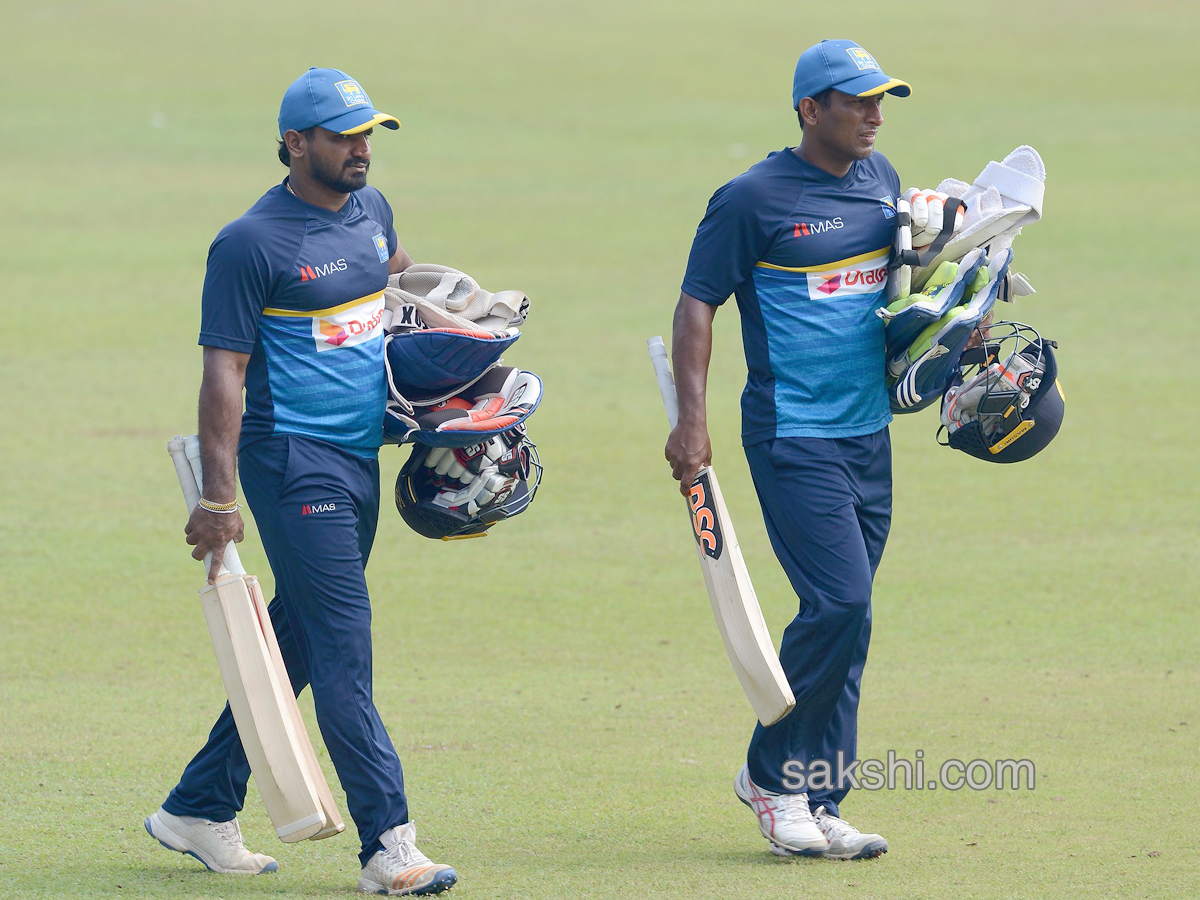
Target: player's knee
{"points": [[850, 608]]}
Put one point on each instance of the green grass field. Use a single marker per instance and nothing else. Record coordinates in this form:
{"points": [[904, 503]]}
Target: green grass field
{"points": [[558, 692]]}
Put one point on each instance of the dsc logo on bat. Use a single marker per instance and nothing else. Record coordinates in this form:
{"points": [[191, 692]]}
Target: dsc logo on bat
{"points": [[705, 526]]}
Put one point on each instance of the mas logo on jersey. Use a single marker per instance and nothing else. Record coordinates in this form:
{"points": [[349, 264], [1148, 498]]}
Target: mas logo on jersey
{"points": [[889, 207], [808, 229], [309, 273], [862, 58], [380, 246], [866, 277], [349, 327], [312, 509], [351, 93]]}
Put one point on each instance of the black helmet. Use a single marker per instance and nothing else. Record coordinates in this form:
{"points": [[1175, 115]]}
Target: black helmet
{"points": [[458, 492], [1004, 403]]}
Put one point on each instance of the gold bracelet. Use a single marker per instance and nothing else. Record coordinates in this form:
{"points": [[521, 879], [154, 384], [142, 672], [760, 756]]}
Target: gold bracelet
{"points": [[230, 507]]}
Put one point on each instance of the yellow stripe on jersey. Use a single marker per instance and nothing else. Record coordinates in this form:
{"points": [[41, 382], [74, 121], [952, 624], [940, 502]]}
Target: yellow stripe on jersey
{"points": [[841, 263], [315, 313]]}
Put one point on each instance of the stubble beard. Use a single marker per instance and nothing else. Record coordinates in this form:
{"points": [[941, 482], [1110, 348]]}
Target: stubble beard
{"points": [[337, 178]]}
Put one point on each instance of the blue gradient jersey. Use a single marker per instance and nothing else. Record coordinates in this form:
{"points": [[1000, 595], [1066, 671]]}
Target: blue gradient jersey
{"points": [[806, 255], [300, 289]]}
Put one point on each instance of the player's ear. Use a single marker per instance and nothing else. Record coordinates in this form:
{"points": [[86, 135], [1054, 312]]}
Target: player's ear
{"points": [[807, 111], [294, 141]]}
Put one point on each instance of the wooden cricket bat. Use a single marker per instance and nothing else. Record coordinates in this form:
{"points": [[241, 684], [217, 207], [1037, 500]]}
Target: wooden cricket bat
{"points": [[277, 746], [734, 603]]}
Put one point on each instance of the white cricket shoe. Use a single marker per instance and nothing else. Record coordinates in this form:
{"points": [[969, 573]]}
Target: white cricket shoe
{"points": [[400, 868], [845, 841], [784, 819], [216, 844]]}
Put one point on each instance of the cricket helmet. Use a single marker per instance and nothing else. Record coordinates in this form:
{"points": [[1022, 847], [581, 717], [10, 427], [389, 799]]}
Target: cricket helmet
{"points": [[1004, 403], [459, 492]]}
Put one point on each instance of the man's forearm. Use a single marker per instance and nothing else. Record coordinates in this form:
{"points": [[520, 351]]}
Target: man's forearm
{"points": [[691, 350], [220, 420]]}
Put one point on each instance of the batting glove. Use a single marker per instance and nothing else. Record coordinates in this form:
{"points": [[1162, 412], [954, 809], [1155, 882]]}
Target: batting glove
{"points": [[927, 208]]}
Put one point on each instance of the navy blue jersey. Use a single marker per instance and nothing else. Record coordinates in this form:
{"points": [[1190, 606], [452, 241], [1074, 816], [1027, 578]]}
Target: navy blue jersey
{"points": [[806, 255], [300, 289]]}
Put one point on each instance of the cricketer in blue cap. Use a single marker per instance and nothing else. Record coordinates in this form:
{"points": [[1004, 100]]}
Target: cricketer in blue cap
{"points": [[325, 123], [292, 316], [845, 66], [332, 99], [802, 240]]}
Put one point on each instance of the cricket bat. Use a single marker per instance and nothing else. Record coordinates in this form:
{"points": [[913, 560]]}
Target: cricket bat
{"points": [[281, 756], [734, 603]]}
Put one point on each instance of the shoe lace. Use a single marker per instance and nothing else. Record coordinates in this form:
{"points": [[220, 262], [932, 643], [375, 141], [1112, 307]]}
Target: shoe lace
{"points": [[406, 855], [229, 833], [792, 808], [833, 827]]}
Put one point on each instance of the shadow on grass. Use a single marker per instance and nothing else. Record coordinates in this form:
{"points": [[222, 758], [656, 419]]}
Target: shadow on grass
{"points": [[190, 879]]}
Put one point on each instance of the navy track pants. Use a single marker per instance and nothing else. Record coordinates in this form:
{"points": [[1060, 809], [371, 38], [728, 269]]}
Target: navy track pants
{"points": [[827, 503], [316, 507]]}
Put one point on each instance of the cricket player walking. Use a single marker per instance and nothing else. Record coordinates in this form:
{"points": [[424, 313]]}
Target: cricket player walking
{"points": [[292, 313], [802, 240]]}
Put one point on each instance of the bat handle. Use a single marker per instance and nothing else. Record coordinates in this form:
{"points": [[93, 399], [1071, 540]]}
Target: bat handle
{"points": [[666, 383], [185, 454]]}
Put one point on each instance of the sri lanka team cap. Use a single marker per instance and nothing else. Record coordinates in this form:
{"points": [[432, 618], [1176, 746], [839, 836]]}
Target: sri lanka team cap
{"points": [[332, 99], [843, 65]]}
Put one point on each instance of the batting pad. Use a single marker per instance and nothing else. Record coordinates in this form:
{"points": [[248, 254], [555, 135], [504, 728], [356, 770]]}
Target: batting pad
{"points": [[1004, 198], [429, 295], [502, 399], [908, 317], [918, 374], [430, 364]]}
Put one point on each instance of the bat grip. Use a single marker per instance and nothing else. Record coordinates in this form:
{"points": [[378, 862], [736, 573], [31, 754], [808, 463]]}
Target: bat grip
{"points": [[666, 383], [185, 454]]}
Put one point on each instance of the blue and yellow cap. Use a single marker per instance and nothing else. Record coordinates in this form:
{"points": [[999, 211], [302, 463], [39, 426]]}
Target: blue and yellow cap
{"points": [[332, 99], [845, 66]]}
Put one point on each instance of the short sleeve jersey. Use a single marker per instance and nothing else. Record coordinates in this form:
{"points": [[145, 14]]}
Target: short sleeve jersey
{"points": [[300, 289], [806, 255]]}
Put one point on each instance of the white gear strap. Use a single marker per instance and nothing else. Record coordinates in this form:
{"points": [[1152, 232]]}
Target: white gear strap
{"points": [[899, 272]]}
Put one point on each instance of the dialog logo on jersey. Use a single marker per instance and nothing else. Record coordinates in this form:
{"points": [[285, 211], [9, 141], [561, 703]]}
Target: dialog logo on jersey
{"points": [[808, 229], [349, 327], [866, 277], [310, 273]]}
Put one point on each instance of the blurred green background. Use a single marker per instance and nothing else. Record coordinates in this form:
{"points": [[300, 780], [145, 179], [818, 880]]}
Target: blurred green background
{"points": [[558, 692]]}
